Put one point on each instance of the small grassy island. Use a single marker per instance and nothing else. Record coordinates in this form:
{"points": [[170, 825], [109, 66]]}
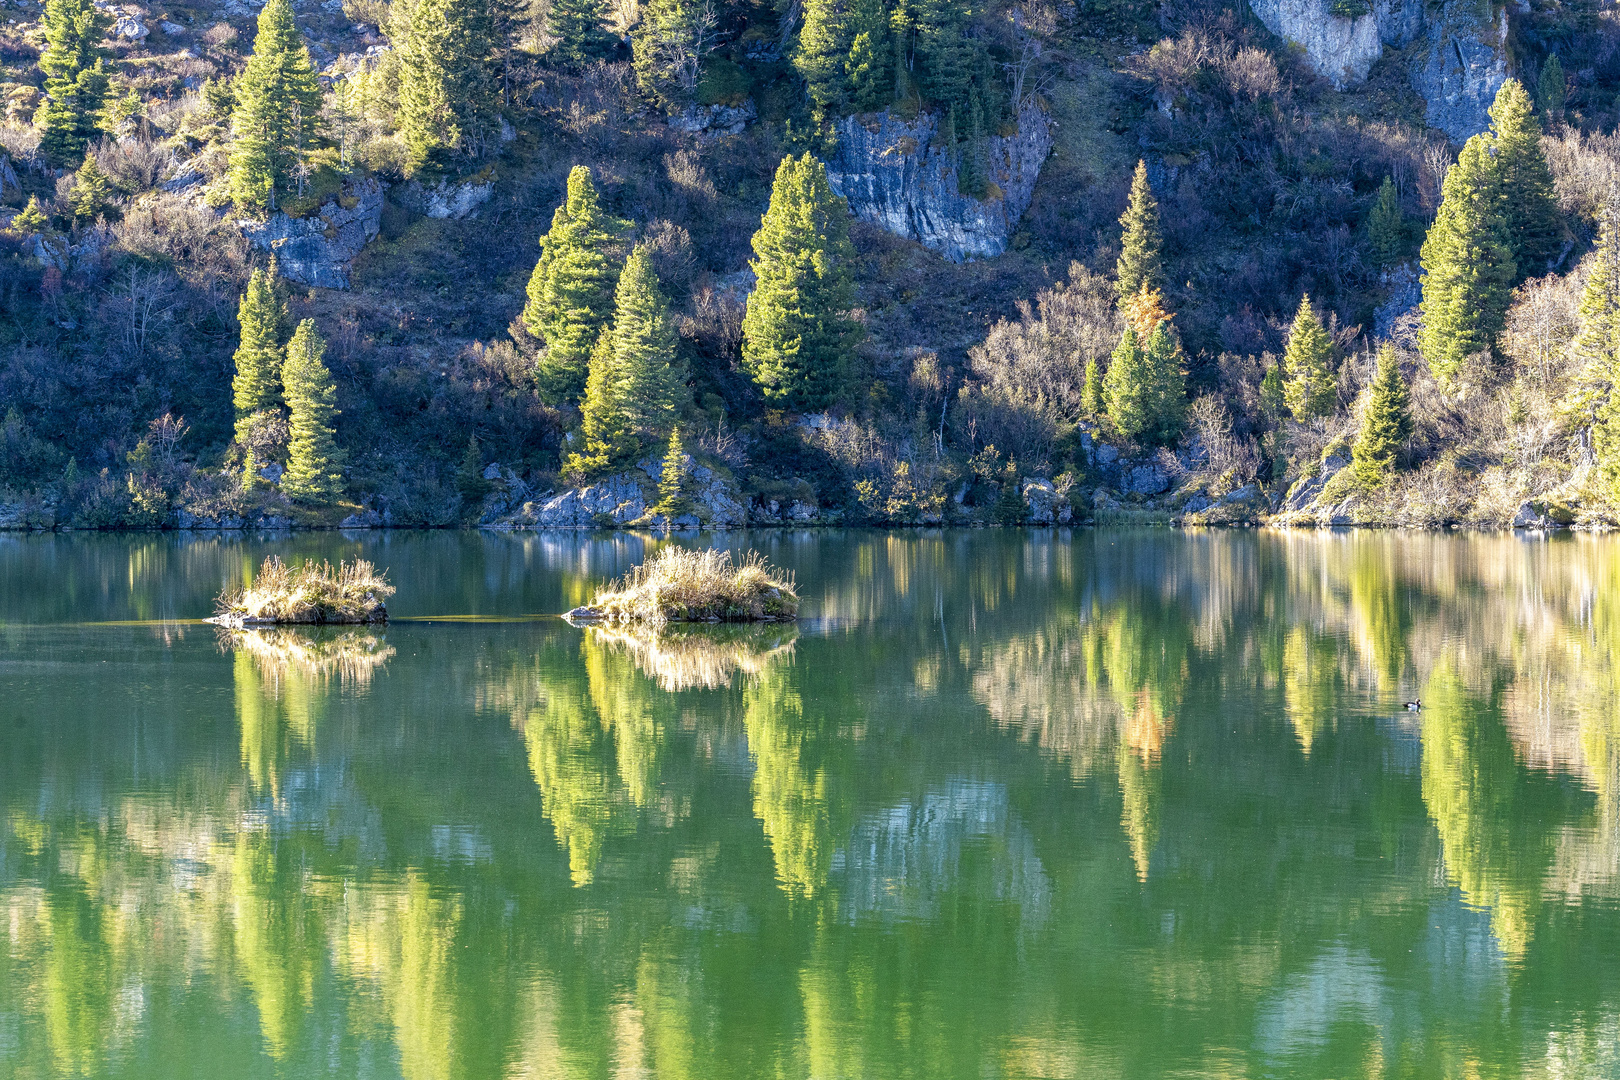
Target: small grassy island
{"points": [[679, 585], [310, 593]]}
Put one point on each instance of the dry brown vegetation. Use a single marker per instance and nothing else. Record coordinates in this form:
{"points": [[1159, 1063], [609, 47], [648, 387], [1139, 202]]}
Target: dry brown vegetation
{"points": [[681, 585], [352, 592]]}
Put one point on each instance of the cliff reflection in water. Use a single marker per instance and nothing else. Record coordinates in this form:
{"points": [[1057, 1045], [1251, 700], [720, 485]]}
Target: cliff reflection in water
{"points": [[1008, 804]]}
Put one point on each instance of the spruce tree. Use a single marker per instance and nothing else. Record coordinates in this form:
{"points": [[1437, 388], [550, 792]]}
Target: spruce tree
{"points": [[822, 52], [470, 473], [1169, 385], [669, 47], [652, 378], [605, 418], [1529, 207], [1310, 389], [571, 289], [1385, 425], [871, 85], [256, 387], [672, 500], [1091, 393], [1468, 264], [798, 335], [578, 27], [76, 81], [278, 106], [448, 90], [1594, 346], [1273, 396], [1138, 267], [1128, 392], [1386, 226], [92, 192], [948, 55], [314, 463], [1550, 87]]}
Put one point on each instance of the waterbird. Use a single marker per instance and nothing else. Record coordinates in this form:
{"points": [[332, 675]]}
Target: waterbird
{"points": [[1414, 706]]}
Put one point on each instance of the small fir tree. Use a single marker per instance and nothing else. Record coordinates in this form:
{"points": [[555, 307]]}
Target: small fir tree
{"points": [[1273, 396], [672, 499], [91, 194], [314, 462], [470, 474], [1139, 267], [1091, 393], [798, 334], [669, 47], [1310, 389], [278, 106], [652, 378], [448, 86], [1010, 508], [1528, 203], [1468, 264], [76, 80], [605, 417], [571, 289], [1169, 386], [262, 313], [578, 27], [1386, 225], [871, 85], [1594, 346], [31, 220], [1550, 87], [1386, 423], [1128, 393]]}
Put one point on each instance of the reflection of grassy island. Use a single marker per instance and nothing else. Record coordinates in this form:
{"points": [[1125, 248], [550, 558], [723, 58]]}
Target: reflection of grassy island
{"points": [[678, 585], [706, 657], [351, 655], [309, 593]]}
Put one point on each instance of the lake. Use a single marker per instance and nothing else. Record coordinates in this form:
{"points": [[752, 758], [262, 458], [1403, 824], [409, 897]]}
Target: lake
{"points": [[1105, 803]]}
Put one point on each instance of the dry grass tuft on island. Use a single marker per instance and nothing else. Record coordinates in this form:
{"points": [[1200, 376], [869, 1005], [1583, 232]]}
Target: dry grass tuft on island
{"points": [[310, 593], [680, 585]]}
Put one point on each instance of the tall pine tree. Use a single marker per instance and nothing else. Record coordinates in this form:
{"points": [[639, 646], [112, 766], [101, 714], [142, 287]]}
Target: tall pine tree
{"points": [[871, 84], [798, 335], [256, 387], [1310, 388], [76, 82], [448, 85], [578, 27], [571, 289], [1385, 425], [1529, 207], [644, 343], [1469, 265], [314, 462], [1550, 87], [823, 51], [1386, 226], [278, 106], [1139, 267]]}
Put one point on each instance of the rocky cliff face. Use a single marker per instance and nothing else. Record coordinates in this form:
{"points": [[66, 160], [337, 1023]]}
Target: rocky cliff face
{"points": [[895, 178], [317, 250], [1460, 65]]}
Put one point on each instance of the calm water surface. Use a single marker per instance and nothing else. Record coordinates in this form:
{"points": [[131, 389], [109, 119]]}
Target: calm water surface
{"points": [[1101, 804]]}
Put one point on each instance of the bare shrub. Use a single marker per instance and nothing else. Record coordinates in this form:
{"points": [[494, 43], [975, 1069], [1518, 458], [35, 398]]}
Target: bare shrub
{"points": [[1542, 319], [135, 165], [220, 36], [1230, 457], [1251, 73], [673, 255], [685, 169], [716, 318], [21, 144], [1584, 171]]}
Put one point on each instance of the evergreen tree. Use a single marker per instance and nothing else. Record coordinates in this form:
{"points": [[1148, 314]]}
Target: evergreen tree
{"points": [[76, 82], [1138, 267], [1529, 207], [871, 84], [972, 177], [1550, 87], [1091, 394], [578, 27], [1468, 263], [92, 192], [1169, 386], [1010, 508], [605, 419], [823, 51], [644, 343], [1273, 397], [669, 47], [798, 336], [571, 289], [1385, 425], [1594, 346], [1386, 225], [948, 55], [31, 220], [448, 90], [1128, 392], [256, 387], [1310, 389], [470, 474], [278, 105], [672, 500], [314, 463]]}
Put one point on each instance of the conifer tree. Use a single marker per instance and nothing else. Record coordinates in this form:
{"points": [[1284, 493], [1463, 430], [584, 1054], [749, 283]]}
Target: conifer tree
{"points": [[871, 85], [1091, 393], [578, 27], [278, 105], [1310, 389], [1598, 336], [605, 423], [823, 51], [91, 193], [256, 387], [947, 53], [1468, 263], [672, 500], [470, 474], [1273, 397], [1138, 267], [76, 81], [571, 289], [1550, 87], [314, 463], [669, 48], [1529, 207], [448, 91], [644, 342], [798, 336], [1128, 394], [1386, 226], [1385, 425], [1169, 385], [31, 220]]}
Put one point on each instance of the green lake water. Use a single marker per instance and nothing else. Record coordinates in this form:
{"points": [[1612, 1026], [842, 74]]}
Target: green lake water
{"points": [[1003, 804]]}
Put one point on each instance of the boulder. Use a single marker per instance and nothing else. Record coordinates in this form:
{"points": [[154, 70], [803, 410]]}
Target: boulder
{"points": [[894, 177], [1147, 478], [715, 119], [445, 199], [1306, 489], [1542, 514], [318, 249], [1040, 499]]}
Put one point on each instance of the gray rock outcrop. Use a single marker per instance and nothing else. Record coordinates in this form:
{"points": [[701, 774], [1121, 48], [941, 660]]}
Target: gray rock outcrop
{"points": [[715, 119], [444, 199], [318, 249], [896, 178], [1463, 60]]}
